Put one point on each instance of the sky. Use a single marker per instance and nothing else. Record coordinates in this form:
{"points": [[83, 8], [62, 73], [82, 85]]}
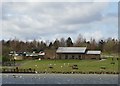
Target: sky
{"points": [[51, 20]]}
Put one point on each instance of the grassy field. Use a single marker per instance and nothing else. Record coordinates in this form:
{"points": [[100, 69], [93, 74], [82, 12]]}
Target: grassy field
{"points": [[65, 65]]}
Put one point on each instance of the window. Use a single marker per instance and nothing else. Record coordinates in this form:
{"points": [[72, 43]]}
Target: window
{"points": [[66, 56], [72, 56], [79, 56]]}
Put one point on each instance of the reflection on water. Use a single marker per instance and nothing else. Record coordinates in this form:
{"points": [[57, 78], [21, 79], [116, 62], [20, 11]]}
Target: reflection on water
{"points": [[59, 79]]}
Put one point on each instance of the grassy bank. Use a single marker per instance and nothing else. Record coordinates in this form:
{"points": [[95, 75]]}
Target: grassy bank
{"points": [[66, 65]]}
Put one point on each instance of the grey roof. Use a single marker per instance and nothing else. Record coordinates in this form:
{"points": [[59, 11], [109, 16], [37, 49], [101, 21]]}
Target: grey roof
{"points": [[31, 54], [71, 50], [93, 52]]}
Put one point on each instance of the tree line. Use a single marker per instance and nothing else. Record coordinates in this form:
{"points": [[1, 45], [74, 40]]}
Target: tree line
{"points": [[109, 45]]}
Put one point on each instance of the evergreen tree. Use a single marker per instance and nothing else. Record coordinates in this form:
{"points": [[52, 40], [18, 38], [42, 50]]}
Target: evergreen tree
{"points": [[69, 42], [50, 45], [56, 44]]}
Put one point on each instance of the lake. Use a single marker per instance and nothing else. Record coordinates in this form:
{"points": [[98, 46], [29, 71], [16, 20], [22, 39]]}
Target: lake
{"points": [[59, 79]]}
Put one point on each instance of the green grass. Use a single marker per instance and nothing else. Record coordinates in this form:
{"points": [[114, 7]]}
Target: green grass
{"points": [[65, 65]]}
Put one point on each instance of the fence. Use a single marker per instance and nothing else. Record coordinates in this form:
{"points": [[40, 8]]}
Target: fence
{"points": [[16, 70]]}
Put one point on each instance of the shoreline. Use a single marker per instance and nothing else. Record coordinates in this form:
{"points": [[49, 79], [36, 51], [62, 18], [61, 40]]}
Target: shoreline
{"points": [[58, 72], [52, 74]]}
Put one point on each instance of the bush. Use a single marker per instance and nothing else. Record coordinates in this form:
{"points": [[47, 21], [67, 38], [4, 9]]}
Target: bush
{"points": [[5, 59]]}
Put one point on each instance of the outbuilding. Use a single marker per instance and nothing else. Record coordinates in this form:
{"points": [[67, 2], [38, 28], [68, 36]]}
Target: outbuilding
{"points": [[93, 54]]}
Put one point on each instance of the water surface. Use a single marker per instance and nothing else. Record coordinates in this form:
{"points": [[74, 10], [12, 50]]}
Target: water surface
{"points": [[59, 79]]}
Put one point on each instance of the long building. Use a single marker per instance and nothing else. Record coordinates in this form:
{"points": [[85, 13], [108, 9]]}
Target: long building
{"points": [[77, 53]]}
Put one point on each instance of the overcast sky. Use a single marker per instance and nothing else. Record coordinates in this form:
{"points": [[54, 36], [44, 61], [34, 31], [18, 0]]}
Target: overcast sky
{"points": [[51, 20]]}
